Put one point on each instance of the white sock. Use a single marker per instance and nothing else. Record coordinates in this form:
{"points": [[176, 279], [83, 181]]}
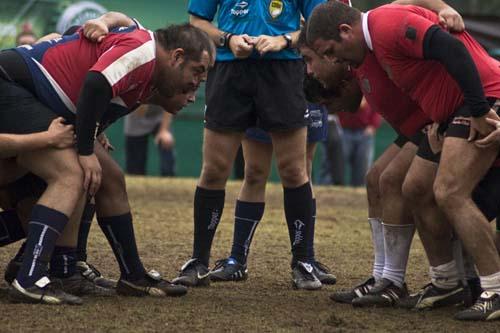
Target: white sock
{"points": [[378, 247], [445, 276], [397, 242], [491, 283]]}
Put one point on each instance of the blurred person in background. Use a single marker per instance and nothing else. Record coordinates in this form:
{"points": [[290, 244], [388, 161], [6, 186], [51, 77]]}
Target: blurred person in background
{"points": [[358, 138], [332, 162], [26, 36], [145, 121]]}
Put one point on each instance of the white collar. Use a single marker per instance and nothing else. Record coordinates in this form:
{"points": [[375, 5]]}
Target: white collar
{"points": [[366, 30]]}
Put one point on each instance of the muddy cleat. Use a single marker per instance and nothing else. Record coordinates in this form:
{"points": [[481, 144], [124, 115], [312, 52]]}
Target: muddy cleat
{"points": [[358, 291], [78, 285], [44, 292], [487, 307], [430, 297], [11, 271], [228, 270], [303, 277], [323, 273], [91, 273], [383, 294], [193, 274], [150, 285]]}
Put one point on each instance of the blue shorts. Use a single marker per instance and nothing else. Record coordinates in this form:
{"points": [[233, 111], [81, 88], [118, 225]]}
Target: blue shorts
{"points": [[317, 129]]}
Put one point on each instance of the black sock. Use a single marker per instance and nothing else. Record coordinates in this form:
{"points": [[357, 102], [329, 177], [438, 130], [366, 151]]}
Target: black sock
{"points": [[310, 234], [63, 262], [83, 232], [247, 216], [208, 207], [120, 234], [298, 212], [11, 229], [45, 226]]}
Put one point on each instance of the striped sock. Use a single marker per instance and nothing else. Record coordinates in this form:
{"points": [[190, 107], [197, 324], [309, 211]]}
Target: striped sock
{"points": [[45, 226], [247, 216]]}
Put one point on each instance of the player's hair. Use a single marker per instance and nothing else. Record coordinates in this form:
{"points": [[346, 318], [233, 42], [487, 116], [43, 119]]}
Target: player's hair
{"points": [[302, 40], [325, 20], [24, 34], [187, 37]]}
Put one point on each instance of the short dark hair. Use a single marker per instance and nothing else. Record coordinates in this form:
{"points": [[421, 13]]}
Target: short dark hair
{"points": [[326, 18], [302, 40], [24, 34], [187, 37]]}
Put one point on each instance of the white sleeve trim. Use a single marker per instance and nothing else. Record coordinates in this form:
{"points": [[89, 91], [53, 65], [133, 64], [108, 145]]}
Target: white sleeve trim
{"points": [[366, 31]]}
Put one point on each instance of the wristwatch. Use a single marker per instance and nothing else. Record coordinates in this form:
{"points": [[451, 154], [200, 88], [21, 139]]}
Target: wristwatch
{"points": [[288, 39], [224, 39]]}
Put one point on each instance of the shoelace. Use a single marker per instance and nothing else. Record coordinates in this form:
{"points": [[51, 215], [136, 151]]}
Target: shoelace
{"points": [[482, 305], [219, 264], [91, 272]]}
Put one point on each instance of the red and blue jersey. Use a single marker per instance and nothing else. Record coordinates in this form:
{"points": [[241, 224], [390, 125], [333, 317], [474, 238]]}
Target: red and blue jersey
{"points": [[126, 58]]}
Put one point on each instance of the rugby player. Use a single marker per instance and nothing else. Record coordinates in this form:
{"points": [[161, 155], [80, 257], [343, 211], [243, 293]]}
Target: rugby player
{"points": [[130, 65], [446, 86]]}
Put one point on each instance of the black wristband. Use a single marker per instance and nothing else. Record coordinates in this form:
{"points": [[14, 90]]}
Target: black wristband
{"points": [[227, 39]]}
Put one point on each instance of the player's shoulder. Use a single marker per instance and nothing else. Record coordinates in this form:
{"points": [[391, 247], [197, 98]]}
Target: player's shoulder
{"points": [[396, 10]]}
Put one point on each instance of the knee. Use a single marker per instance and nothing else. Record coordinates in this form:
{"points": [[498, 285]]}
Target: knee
{"points": [[292, 174], [255, 175], [447, 195], [215, 173], [390, 183], [70, 176], [113, 181]]}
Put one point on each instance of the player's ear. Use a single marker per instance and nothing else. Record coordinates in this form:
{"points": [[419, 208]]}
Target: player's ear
{"points": [[177, 57], [345, 30]]}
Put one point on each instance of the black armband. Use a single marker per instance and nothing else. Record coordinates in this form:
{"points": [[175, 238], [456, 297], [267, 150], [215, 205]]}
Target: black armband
{"points": [[451, 53], [92, 103]]}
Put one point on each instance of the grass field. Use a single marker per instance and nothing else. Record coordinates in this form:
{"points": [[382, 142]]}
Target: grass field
{"points": [[265, 302]]}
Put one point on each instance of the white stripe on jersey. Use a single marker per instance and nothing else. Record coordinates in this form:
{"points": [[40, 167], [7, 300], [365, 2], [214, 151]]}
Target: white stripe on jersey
{"points": [[128, 62], [366, 31], [62, 95]]}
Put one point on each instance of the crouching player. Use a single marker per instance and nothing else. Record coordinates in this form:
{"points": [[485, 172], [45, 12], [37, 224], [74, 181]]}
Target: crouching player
{"points": [[91, 85]]}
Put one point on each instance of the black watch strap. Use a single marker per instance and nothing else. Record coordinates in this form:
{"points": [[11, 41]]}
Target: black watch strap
{"points": [[227, 37]]}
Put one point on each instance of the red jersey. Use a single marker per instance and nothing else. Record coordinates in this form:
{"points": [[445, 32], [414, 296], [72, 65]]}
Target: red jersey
{"points": [[361, 119], [385, 98], [396, 34], [126, 58]]}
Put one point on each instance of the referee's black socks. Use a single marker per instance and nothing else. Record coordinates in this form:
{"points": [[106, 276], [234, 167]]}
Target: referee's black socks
{"points": [[208, 207], [298, 213]]}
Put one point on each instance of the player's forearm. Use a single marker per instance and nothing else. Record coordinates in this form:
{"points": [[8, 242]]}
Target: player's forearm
{"points": [[116, 19], [208, 27], [92, 103], [166, 121], [13, 144], [434, 5]]}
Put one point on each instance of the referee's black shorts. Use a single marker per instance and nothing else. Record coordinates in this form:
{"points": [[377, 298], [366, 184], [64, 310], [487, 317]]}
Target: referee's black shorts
{"points": [[256, 93]]}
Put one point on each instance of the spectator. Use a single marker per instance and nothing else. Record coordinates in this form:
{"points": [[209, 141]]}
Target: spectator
{"points": [[139, 125], [358, 141], [26, 37]]}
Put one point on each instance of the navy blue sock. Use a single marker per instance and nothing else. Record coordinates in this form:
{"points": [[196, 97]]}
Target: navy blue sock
{"points": [[310, 238], [83, 232], [298, 213], [247, 216], [119, 231], [208, 207], [45, 226], [11, 229], [63, 262]]}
